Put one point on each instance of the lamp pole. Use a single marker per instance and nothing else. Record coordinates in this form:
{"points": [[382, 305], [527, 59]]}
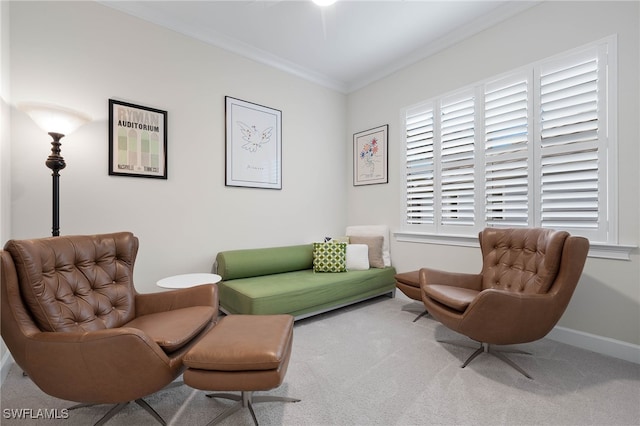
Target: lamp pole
{"points": [[57, 121], [56, 163]]}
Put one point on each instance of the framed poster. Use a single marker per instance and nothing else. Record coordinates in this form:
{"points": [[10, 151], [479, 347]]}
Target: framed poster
{"points": [[253, 145], [370, 156], [137, 140]]}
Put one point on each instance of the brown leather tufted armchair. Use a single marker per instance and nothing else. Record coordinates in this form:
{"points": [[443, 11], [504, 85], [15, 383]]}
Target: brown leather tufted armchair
{"points": [[75, 324], [528, 277]]}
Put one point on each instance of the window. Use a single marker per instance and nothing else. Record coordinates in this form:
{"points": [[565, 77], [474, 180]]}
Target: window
{"points": [[529, 148]]}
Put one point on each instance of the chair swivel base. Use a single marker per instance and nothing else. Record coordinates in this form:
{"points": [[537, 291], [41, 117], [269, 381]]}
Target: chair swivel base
{"points": [[408, 308], [118, 407], [498, 353], [423, 314], [246, 400]]}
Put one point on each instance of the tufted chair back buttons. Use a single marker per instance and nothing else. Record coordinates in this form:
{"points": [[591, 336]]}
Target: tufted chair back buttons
{"points": [[65, 281], [526, 259]]}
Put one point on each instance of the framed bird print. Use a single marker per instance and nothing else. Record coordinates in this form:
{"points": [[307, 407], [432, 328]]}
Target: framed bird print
{"points": [[253, 145]]}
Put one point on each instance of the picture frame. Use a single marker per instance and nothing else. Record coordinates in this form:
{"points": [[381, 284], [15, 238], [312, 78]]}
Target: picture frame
{"points": [[371, 156], [253, 148], [137, 140]]}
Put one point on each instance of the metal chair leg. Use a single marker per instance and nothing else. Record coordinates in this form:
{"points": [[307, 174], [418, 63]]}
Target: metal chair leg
{"points": [[253, 413], [410, 308], [490, 349], [226, 413], [501, 356], [423, 314], [118, 407], [142, 403], [473, 356], [114, 410], [82, 405], [268, 398], [245, 400]]}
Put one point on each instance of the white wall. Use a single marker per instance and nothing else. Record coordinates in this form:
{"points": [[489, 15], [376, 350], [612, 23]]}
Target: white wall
{"points": [[607, 300], [80, 54], [5, 149]]}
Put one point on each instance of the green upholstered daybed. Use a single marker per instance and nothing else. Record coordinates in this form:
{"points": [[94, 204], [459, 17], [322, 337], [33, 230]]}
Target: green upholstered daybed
{"points": [[281, 280]]}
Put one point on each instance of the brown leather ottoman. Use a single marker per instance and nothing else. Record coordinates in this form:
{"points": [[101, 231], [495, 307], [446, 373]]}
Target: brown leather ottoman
{"points": [[243, 353], [409, 284]]}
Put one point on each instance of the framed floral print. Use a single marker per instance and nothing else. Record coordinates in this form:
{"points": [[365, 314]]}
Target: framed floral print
{"points": [[370, 156]]}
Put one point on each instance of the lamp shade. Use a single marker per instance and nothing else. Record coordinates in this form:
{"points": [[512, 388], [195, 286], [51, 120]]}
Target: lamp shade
{"points": [[54, 118]]}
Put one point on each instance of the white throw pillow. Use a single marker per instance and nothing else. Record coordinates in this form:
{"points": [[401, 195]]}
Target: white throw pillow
{"points": [[372, 231], [357, 257]]}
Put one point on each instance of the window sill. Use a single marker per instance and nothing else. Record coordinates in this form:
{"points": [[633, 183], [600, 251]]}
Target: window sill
{"points": [[597, 250]]}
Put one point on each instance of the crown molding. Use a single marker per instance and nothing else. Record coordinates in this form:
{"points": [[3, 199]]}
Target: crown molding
{"points": [[494, 17], [501, 13], [211, 37]]}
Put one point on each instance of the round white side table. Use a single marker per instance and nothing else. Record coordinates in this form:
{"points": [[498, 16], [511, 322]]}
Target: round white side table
{"points": [[188, 280]]}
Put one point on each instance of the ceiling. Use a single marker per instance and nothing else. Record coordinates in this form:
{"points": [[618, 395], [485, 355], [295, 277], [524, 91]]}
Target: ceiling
{"points": [[344, 46]]}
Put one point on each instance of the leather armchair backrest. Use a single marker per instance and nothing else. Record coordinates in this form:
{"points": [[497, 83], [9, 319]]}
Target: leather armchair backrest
{"points": [[521, 260], [17, 323], [77, 283]]}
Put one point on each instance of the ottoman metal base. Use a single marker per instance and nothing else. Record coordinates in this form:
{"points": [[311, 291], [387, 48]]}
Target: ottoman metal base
{"points": [[245, 354], [246, 399]]}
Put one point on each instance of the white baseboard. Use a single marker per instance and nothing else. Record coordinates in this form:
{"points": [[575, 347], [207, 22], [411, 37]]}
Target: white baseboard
{"points": [[7, 362], [602, 345]]}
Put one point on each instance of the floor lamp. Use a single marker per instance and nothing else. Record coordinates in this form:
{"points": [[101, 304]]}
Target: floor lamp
{"points": [[57, 122]]}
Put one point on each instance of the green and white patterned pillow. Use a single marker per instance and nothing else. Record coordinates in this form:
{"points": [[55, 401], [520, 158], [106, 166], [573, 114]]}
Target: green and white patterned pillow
{"points": [[330, 257]]}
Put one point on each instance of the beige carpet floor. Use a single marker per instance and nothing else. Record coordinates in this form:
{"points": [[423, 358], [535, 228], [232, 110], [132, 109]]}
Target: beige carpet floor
{"points": [[369, 364]]}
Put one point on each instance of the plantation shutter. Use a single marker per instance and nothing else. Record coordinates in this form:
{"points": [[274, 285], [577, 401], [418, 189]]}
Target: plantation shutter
{"points": [[572, 143], [457, 157], [508, 152], [419, 165], [532, 148]]}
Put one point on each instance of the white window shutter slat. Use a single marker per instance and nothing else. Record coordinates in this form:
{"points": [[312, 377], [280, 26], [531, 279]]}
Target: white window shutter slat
{"points": [[507, 152], [419, 172], [457, 157], [532, 148], [571, 145]]}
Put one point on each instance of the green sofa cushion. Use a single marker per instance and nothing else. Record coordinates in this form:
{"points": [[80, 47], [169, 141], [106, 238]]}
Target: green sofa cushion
{"points": [[235, 264], [302, 292]]}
